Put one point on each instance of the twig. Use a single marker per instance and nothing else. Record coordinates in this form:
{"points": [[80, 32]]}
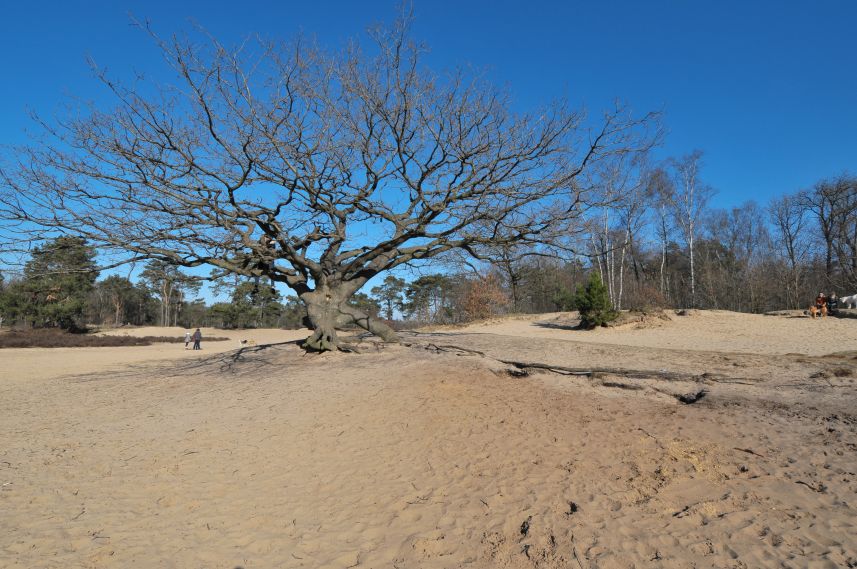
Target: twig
{"points": [[749, 451], [443, 348], [651, 436], [574, 552], [820, 488]]}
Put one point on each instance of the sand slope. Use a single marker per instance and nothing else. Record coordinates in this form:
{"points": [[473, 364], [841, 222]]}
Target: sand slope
{"points": [[425, 456], [703, 330]]}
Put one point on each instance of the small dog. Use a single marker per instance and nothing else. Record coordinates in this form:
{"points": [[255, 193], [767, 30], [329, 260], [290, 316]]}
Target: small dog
{"points": [[815, 310], [247, 343]]}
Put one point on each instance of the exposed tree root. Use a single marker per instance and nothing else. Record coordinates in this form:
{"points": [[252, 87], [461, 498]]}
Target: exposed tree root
{"points": [[523, 369], [688, 398], [320, 342], [563, 370]]}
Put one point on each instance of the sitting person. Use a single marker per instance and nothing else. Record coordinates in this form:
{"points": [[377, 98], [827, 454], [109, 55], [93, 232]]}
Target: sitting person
{"points": [[832, 304], [820, 306]]}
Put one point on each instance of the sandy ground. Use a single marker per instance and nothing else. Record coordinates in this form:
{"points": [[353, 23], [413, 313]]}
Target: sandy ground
{"points": [[440, 452], [706, 330], [36, 363]]}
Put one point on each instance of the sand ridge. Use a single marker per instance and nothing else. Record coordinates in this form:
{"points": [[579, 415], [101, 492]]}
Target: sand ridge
{"points": [[701, 330]]}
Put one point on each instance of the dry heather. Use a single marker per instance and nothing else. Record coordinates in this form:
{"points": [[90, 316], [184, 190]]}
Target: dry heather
{"points": [[54, 338]]}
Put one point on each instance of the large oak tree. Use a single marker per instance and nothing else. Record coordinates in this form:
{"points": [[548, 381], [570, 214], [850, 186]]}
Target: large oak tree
{"points": [[315, 169]]}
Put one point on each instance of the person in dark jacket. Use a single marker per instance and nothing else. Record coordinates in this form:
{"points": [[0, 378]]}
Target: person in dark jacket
{"points": [[832, 304], [197, 338]]}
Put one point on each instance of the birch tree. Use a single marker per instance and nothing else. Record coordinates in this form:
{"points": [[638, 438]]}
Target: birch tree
{"points": [[688, 201]]}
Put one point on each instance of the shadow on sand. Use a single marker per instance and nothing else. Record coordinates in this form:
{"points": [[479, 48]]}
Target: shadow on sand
{"points": [[244, 361], [566, 325]]}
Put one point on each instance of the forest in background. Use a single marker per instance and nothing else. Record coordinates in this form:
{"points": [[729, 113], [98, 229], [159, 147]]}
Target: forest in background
{"points": [[658, 244]]}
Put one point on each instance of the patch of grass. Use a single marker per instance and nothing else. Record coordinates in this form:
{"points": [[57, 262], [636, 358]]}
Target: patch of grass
{"points": [[54, 338]]}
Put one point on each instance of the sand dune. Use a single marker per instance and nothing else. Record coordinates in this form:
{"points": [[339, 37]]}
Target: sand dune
{"points": [[704, 330], [424, 455]]}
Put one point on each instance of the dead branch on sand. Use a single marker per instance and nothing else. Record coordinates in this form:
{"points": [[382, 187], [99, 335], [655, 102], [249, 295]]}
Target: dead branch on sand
{"points": [[523, 369]]}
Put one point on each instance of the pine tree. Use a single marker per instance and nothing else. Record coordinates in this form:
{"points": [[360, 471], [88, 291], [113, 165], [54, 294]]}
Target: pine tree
{"points": [[389, 295], [593, 303], [57, 281]]}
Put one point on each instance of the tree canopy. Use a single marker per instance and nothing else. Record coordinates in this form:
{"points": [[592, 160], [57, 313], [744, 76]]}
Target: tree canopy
{"points": [[315, 169], [55, 284]]}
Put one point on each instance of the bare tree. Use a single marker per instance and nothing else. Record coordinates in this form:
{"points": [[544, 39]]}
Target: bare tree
{"points": [[621, 187], [510, 260], [788, 217], [688, 201], [515, 261], [845, 226], [833, 204], [820, 201], [170, 286], [735, 237], [316, 170], [660, 190], [632, 208]]}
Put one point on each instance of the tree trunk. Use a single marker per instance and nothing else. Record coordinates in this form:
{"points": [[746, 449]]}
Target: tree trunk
{"points": [[618, 303], [513, 284], [828, 259], [328, 309], [692, 272]]}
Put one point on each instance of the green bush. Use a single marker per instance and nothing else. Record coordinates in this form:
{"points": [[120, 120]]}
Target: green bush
{"points": [[593, 303]]}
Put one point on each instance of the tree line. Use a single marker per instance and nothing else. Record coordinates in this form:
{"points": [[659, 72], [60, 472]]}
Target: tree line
{"points": [[660, 243], [59, 288], [658, 246]]}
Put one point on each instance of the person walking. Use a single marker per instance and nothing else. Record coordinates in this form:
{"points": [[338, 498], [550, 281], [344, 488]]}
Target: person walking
{"points": [[187, 340], [197, 338]]}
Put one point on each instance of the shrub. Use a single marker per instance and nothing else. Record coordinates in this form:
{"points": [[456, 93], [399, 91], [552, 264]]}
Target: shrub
{"points": [[646, 299], [594, 304], [482, 298]]}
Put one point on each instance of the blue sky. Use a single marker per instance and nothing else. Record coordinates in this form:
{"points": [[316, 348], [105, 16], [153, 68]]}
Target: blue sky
{"points": [[767, 90]]}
